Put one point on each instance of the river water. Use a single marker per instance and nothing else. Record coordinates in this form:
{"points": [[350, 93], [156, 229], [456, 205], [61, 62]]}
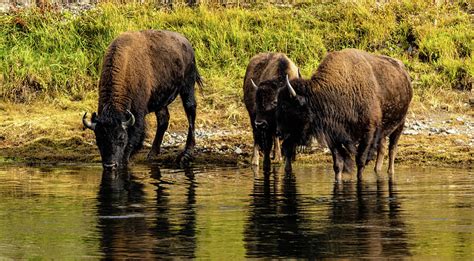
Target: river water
{"points": [[72, 212]]}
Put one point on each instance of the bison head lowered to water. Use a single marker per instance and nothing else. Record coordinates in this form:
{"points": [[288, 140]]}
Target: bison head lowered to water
{"points": [[354, 100], [143, 72], [264, 77]]}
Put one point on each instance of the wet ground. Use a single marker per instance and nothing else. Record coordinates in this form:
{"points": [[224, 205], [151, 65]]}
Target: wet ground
{"points": [[72, 212]]}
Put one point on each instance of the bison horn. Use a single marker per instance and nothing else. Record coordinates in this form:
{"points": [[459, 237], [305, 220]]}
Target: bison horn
{"points": [[253, 84], [87, 123], [292, 91], [130, 121], [299, 73]]}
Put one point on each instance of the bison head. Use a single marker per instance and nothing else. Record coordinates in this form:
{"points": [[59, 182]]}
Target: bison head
{"points": [[266, 102], [111, 137], [293, 117]]}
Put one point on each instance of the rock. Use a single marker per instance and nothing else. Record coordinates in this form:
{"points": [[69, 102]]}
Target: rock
{"points": [[238, 151], [451, 131], [459, 142], [410, 132]]}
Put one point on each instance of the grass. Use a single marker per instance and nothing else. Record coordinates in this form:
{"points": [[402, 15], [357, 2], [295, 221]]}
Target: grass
{"points": [[51, 60]]}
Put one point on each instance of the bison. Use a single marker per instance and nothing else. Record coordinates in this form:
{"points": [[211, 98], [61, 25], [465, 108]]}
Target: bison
{"points": [[264, 77], [354, 100], [143, 72]]}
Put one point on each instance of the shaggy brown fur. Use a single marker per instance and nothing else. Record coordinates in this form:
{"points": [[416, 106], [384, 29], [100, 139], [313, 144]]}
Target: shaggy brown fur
{"points": [[354, 98], [268, 71], [143, 72]]}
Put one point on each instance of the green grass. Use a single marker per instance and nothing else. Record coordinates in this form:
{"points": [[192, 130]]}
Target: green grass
{"points": [[49, 55]]}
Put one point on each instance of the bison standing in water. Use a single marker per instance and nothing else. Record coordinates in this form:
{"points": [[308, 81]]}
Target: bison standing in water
{"points": [[264, 77], [354, 98], [143, 72]]}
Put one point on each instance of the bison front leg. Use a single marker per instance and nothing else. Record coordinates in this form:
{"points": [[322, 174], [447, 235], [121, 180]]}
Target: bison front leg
{"points": [[162, 120], [338, 163], [189, 104], [276, 149], [289, 151], [267, 151]]}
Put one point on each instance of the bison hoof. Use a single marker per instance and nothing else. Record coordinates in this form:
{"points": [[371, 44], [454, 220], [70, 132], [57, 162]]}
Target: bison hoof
{"points": [[184, 159]]}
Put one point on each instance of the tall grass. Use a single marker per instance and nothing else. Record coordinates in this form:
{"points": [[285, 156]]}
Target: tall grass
{"points": [[47, 54]]}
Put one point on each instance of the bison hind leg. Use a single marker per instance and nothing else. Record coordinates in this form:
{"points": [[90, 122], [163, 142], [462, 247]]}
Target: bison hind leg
{"points": [[189, 103], [392, 148]]}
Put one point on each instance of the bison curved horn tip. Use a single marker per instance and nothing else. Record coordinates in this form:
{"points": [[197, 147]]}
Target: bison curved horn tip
{"points": [[290, 88], [130, 121], [87, 123], [253, 84]]}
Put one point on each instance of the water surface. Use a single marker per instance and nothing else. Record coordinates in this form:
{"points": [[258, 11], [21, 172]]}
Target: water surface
{"points": [[222, 213]]}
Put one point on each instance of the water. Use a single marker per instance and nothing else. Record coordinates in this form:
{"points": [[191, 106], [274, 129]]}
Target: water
{"points": [[76, 212]]}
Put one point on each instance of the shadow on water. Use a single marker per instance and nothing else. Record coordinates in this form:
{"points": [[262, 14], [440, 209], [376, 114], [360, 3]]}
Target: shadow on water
{"points": [[361, 220], [130, 227]]}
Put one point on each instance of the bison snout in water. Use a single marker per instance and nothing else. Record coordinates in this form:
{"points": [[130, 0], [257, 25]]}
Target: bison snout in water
{"points": [[143, 72], [353, 101], [263, 79]]}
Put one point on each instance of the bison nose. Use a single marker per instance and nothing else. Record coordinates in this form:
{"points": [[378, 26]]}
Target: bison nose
{"points": [[109, 166], [261, 124]]}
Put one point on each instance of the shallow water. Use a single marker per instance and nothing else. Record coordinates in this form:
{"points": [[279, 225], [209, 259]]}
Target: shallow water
{"points": [[229, 213]]}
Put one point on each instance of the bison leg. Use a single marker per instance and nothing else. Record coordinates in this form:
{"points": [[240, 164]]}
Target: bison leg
{"points": [[392, 148], [162, 120], [267, 151], [380, 156], [255, 155], [189, 104], [276, 149], [136, 136], [375, 145], [338, 164], [289, 154], [362, 151]]}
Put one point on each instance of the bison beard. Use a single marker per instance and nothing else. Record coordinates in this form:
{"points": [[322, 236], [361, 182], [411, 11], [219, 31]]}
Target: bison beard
{"points": [[143, 72], [354, 101]]}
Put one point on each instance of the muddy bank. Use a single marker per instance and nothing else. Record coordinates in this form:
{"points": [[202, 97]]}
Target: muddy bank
{"points": [[436, 140]]}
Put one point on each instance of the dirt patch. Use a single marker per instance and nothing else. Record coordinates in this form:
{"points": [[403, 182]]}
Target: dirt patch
{"points": [[28, 135]]}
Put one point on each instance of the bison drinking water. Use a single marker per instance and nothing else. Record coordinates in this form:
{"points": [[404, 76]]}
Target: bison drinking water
{"points": [[264, 77], [354, 100], [142, 72]]}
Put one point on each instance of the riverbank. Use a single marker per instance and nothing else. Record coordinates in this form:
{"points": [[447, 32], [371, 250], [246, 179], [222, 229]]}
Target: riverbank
{"points": [[51, 134], [51, 65]]}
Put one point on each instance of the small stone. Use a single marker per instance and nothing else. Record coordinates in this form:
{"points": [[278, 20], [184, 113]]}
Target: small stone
{"points": [[459, 142], [238, 151], [451, 131], [410, 132]]}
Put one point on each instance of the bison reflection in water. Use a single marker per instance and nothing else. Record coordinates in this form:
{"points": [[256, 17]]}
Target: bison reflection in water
{"points": [[133, 226], [354, 100], [282, 223], [143, 72], [264, 77]]}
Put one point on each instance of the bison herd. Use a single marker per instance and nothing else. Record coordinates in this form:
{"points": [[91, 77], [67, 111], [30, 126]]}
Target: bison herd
{"points": [[352, 103]]}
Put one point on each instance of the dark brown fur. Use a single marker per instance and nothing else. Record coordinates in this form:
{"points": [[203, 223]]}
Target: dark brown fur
{"points": [[144, 72], [354, 100], [268, 71]]}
